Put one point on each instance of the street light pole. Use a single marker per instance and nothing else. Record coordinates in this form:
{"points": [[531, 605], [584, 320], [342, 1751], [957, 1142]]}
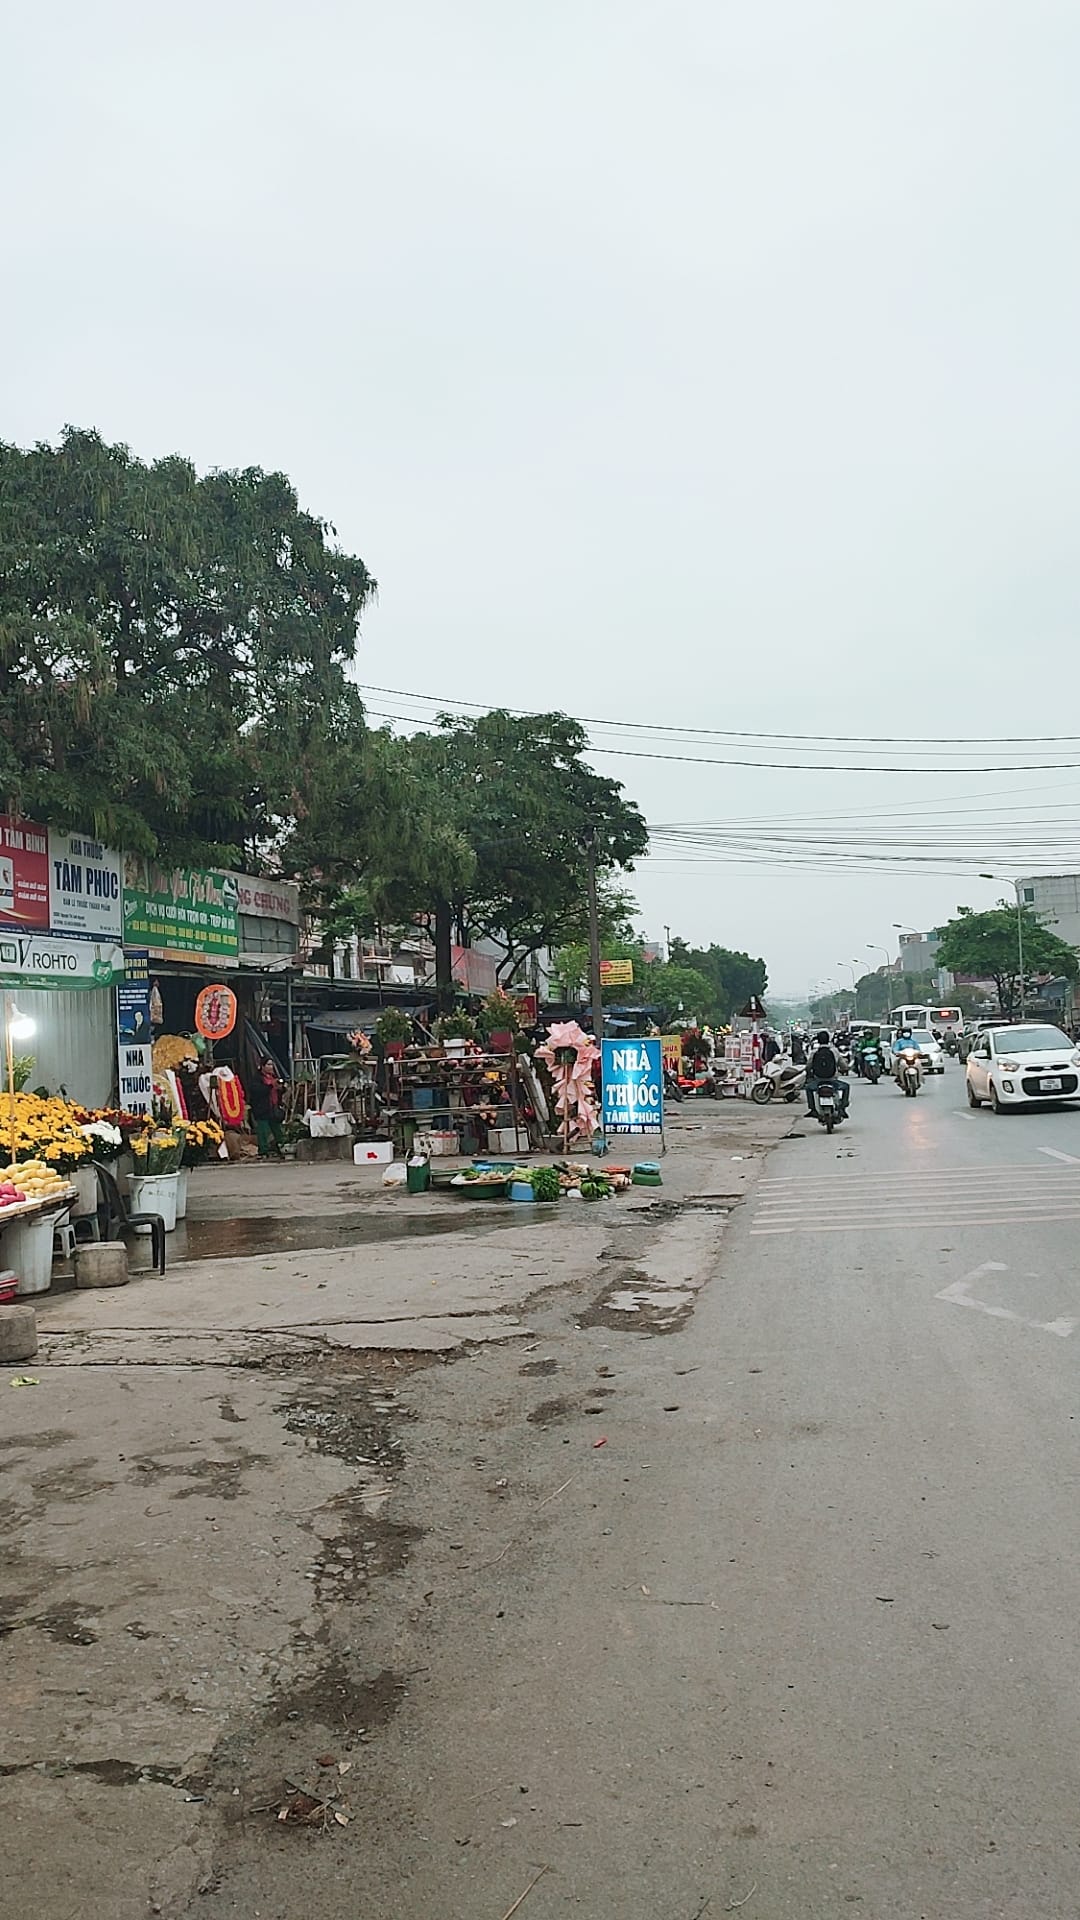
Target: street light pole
{"points": [[854, 981], [872, 947]]}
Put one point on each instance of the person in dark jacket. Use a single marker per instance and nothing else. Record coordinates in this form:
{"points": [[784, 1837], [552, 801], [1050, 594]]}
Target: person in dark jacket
{"points": [[823, 1069], [264, 1102]]}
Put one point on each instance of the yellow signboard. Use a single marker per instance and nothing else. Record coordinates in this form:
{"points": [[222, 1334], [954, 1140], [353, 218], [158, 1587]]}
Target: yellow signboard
{"points": [[616, 973], [671, 1046]]}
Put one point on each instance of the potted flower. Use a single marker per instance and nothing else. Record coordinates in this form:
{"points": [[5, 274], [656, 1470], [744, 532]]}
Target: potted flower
{"points": [[106, 1141], [499, 1021], [156, 1177], [392, 1030], [455, 1030]]}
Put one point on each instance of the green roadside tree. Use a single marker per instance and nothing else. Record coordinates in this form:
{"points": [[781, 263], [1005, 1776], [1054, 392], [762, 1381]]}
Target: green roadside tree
{"points": [[988, 946], [519, 793], [165, 642]]}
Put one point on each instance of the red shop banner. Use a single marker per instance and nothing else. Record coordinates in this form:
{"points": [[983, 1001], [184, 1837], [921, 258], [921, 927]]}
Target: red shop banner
{"points": [[24, 874]]}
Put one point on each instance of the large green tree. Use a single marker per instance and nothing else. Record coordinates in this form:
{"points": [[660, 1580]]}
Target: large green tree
{"points": [[987, 945], [168, 644], [733, 976], [518, 793]]}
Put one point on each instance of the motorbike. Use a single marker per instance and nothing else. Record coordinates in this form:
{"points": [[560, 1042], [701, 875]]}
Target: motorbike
{"points": [[871, 1068], [672, 1089], [781, 1079], [909, 1071], [829, 1106]]}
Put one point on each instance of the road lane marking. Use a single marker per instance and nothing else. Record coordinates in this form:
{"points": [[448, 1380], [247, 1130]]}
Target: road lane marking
{"points": [[1056, 1154], [959, 1295], [874, 1224]]}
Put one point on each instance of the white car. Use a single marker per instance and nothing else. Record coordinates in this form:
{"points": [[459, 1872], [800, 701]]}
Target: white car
{"points": [[932, 1051], [1019, 1066]]}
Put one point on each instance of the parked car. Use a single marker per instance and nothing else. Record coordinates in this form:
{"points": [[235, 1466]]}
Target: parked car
{"points": [[1022, 1066]]}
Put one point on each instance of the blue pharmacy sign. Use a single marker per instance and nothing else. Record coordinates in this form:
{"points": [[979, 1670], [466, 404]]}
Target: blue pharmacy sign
{"points": [[633, 1077]]}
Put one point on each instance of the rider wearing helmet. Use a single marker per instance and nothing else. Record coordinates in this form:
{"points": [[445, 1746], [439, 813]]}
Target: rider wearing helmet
{"points": [[824, 1070]]}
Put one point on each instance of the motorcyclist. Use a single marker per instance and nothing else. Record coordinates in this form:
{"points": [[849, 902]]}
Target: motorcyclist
{"points": [[868, 1046], [824, 1069], [904, 1043]]}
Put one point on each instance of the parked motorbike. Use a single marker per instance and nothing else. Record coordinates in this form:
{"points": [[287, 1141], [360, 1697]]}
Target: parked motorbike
{"points": [[672, 1089], [909, 1071], [781, 1079], [829, 1105]]}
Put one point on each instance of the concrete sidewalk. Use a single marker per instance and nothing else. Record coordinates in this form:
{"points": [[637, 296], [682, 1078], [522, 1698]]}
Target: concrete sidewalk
{"points": [[201, 1506]]}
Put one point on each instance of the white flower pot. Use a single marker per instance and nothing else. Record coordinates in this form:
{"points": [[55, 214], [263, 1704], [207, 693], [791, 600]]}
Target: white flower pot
{"points": [[155, 1193], [454, 1047], [181, 1193]]}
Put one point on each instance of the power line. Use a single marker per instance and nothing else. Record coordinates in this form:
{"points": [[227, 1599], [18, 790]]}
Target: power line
{"points": [[730, 733], [787, 766]]}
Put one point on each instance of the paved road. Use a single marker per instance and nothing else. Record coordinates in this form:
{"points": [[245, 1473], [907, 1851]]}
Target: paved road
{"points": [[801, 1640]]}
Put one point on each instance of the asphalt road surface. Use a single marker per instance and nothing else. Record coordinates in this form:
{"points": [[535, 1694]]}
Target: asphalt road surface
{"points": [[800, 1642]]}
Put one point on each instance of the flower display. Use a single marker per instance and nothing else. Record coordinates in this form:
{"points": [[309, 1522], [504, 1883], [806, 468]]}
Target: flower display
{"points": [[105, 1139], [159, 1151], [36, 1128], [358, 1043], [569, 1053], [201, 1141]]}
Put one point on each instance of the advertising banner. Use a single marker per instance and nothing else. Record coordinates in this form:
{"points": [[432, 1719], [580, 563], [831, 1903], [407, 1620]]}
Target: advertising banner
{"points": [[186, 913], [86, 887], [47, 961], [616, 973], [633, 1086], [24, 874], [133, 1037]]}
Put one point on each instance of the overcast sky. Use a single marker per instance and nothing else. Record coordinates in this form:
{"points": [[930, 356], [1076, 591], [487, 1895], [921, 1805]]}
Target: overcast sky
{"points": [[684, 362]]}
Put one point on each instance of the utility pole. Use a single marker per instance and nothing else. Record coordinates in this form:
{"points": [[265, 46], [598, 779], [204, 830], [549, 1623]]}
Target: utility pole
{"points": [[1020, 950], [594, 939], [1015, 884]]}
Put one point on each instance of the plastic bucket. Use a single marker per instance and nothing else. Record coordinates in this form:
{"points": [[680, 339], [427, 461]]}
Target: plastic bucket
{"points": [[181, 1194], [27, 1247], [155, 1193]]}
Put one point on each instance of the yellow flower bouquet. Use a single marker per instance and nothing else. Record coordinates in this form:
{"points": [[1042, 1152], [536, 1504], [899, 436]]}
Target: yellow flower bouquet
{"points": [[33, 1127]]}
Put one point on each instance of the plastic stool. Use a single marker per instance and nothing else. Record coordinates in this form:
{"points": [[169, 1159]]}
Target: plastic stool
{"points": [[63, 1242], [86, 1227]]}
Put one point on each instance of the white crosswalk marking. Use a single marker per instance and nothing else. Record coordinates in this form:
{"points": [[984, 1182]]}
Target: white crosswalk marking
{"points": [[945, 1197]]}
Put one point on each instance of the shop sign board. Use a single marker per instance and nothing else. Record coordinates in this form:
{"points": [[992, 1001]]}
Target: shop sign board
{"points": [[133, 1036], [671, 1050], [183, 913], [86, 887], [633, 1086], [45, 961], [616, 973], [24, 874], [264, 899]]}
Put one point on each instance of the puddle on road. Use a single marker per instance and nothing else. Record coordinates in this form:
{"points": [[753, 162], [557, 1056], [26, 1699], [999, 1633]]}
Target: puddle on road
{"points": [[266, 1233]]}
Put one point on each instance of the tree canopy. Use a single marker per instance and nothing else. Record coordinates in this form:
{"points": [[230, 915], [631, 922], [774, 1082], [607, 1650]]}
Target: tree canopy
{"points": [[987, 945], [517, 793], [168, 643]]}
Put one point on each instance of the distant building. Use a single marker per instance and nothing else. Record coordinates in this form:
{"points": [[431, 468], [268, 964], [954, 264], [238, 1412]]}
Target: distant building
{"points": [[1054, 899], [918, 954]]}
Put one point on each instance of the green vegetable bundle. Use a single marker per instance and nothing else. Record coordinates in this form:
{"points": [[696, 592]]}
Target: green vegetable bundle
{"points": [[546, 1184]]}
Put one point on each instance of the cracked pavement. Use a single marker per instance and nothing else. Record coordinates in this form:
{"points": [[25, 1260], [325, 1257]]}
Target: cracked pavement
{"points": [[231, 1502]]}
